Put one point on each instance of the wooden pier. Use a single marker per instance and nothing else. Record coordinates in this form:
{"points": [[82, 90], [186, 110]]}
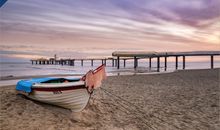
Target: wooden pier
{"points": [[135, 56], [150, 55], [72, 62]]}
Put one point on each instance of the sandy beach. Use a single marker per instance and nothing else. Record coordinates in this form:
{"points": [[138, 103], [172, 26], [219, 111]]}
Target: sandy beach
{"points": [[182, 100]]}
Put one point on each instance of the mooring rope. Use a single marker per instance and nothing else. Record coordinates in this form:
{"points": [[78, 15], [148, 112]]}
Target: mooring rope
{"points": [[137, 109], [123, 105]]}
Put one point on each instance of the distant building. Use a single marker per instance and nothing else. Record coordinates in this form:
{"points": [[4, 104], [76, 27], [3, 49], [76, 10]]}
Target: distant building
{"points": [[55, 57]]}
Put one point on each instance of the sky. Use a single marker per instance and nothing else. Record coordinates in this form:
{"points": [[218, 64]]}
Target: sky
{"points": [[96, 28]]}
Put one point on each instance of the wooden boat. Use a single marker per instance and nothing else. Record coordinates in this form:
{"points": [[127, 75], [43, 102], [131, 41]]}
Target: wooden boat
{"points": [[72, 94]]}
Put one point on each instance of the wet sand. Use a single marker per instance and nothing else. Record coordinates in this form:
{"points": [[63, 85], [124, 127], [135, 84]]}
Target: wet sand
{"points": [[179, 100]]}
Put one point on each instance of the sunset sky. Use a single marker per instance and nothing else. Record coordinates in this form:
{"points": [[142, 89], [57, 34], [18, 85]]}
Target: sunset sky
{"points": [[82, 28]]}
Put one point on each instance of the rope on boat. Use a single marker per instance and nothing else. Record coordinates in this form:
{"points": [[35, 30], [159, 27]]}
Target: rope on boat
{"points": [[136, 109]]}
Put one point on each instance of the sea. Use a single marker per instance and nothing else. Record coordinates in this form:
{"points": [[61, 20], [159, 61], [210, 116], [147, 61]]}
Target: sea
{"points": [[18, 69]]}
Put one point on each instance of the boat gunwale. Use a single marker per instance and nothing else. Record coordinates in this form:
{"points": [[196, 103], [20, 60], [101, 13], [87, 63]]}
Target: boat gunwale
{"points": [[57, 85], [52, 89]]}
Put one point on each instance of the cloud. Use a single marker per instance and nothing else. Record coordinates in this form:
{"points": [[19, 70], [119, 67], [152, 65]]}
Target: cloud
{"points": [[110, 24]]}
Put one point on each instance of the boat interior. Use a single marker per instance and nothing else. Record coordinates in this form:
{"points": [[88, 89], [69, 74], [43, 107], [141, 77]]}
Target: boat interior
{"points": [[61, 80]]}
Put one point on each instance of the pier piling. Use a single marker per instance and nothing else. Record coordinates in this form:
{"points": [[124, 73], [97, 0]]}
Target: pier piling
{"points": [[150, 62], [176, 62], [124, 62], [135, 62], [105, 62], [165, 63], [158, 64], [212, 59], [184, 64], [81, 62], [91, 62], [118, 62], [113, 62]]}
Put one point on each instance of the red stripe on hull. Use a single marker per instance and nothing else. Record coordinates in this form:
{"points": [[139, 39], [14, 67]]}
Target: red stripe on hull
{"points": [[60, 88]]}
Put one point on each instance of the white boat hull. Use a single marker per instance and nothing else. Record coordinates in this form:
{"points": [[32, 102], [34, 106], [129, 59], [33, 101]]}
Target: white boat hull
{"points": [[67, 96], [73, 94]]}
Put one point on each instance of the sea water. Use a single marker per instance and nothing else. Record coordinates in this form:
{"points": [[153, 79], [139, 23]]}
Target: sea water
{"points": [[26, 68], [17, 69]]}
